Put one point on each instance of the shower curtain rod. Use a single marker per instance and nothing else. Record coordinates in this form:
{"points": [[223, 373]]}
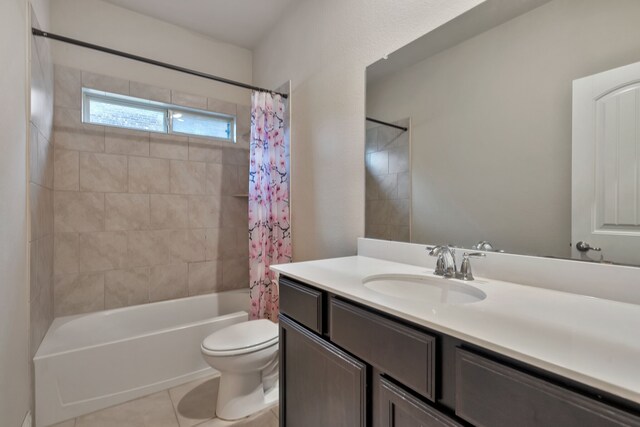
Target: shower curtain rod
{"points": [[40, 33], [380, 122]]}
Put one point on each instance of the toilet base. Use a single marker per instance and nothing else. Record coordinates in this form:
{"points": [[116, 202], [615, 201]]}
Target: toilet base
{"points": [[241, 395]]}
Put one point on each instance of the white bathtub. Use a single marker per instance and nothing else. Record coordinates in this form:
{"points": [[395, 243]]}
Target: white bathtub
{"points": [[91, 361]]}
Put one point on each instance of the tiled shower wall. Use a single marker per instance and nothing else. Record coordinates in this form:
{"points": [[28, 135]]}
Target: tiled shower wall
{"points": [[388, 183], [40, 191], [142, 217]]}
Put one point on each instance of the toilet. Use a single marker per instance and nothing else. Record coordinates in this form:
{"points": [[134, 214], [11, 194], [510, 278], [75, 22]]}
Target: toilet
{"points": [[246, 355]]}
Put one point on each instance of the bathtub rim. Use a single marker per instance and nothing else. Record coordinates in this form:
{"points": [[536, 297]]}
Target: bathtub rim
{"points": [[60, 321]]}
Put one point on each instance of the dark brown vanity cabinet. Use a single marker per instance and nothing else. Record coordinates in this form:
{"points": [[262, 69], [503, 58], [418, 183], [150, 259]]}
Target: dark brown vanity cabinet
{"points": [[398, 408], [344, 364], [321, 385]]}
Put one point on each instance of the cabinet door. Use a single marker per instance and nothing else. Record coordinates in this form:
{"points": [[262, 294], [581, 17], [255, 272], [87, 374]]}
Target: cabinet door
{"points": [[320, 385], [490, 394], [400, 409]]}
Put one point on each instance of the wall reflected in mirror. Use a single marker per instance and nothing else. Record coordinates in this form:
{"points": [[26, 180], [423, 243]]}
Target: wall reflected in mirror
{"points": [[498, 104]]}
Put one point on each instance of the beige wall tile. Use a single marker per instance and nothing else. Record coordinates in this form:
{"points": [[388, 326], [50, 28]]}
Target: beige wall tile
{"points": [[71, 134], [204, 211], [148, 175], [404, 185], [235, 273], [126, 211], [68, 87], [235, 156], [188, 100], [145, 91], [41, 99], [188, 177], [399, 159], [378, 231], [168, 282], [78, 293], [188, 245], [148, 248], [169, 146], [378, 163], [41, 316], [41, 211], [33, 153], [204, 277], [377, 211], [222, 107], [66, 253], [102, 251], [33, 254], [399, 212], [123, 141], [221, 243], [44, 265], [66, 170], [371, 192], [126, 287], [216, 179], [399, 233], [243, 124], [387, 186], [45, 162], [103, 172], [204, 150], [35, 200], [235, 211], [75, 211], [243, 179], [47, 222], [169, 211], [105, 83]]}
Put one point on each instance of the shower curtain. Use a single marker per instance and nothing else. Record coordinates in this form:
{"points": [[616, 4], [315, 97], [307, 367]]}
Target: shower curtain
{"points": [[269, 225]]}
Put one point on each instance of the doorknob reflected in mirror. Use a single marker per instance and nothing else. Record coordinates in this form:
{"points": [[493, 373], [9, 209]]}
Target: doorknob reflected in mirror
{"points": [[584, 247]]}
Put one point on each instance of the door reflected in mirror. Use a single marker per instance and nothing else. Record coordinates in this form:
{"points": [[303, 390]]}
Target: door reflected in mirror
{"points": [[523, 131]]}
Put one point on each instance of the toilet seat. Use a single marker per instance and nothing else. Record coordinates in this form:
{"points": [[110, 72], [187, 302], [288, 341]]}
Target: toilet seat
{"points": [[241, 338]]}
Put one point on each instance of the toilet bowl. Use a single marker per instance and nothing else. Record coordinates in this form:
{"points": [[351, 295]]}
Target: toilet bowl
{"points": [[246, 355]]}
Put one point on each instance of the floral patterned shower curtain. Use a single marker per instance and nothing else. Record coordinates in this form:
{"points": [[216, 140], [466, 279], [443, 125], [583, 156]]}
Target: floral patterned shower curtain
{"points": [[269, 225]]}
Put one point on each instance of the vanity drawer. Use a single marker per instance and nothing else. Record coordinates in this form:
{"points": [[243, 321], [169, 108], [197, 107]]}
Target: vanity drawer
{"points": [[398, 408], [405, 354], [489, 394], [301, 303]]}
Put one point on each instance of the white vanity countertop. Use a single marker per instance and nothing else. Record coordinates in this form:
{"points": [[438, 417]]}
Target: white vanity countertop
{"points": [[593, 341]]}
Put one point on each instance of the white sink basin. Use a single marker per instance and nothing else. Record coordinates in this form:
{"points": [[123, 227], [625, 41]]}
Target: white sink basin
{"points": [[424, 288]]}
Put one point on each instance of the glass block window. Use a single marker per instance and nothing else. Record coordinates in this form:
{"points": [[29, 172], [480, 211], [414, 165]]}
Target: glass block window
{"points": [[108, 109]]}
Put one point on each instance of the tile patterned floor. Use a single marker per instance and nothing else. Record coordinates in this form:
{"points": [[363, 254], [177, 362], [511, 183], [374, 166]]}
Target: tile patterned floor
{"points": [[187, 405]]}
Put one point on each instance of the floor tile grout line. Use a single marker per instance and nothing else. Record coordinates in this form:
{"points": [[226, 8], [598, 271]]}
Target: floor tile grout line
{"points": [[174, 408]]}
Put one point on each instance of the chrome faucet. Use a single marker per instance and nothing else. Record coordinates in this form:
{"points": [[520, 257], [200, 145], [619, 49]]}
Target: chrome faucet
{"points": [[446, 263], [465, 268]]}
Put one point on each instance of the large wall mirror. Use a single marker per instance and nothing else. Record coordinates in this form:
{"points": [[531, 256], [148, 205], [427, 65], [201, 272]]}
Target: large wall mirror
{"points": [[517, 124]]}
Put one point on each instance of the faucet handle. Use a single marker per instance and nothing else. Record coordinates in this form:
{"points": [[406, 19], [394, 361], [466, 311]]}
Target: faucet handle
{"points": [[465, 268]]}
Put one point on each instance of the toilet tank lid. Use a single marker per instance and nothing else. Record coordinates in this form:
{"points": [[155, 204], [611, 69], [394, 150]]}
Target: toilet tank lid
{"points": [[242, 335]]}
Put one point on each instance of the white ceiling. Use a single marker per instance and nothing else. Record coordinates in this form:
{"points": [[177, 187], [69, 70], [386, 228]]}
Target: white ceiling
{"points": [[239, 22]]}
